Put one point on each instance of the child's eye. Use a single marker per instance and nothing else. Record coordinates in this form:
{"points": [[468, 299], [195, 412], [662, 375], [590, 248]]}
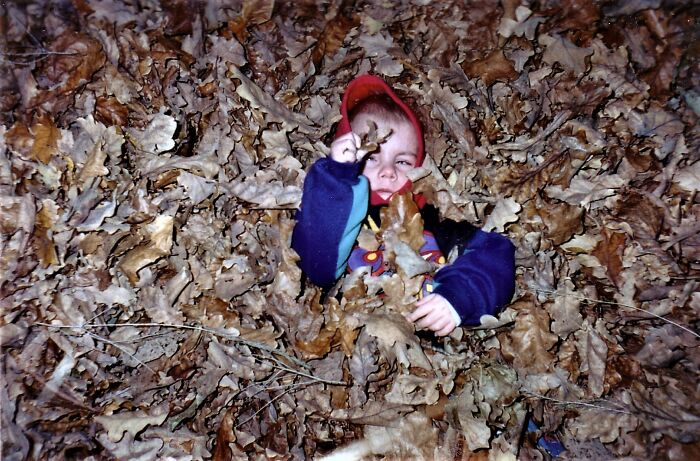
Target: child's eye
{"points": [[371, 159], [403, 163]]}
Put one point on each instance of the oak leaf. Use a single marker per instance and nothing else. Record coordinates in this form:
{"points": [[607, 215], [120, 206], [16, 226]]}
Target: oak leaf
{"points": [[132, 422], [159, 241], [560, 49], [157, 137], [494, 67], [46, 137], [396, 339], [529, 343], [609, 252], [594, 353]]}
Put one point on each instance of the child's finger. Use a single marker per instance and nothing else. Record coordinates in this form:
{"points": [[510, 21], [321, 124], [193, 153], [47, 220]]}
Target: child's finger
{"points": [[420, 312], [428, 320], [440, 322], [449, 328], [361, 154], [425, 300]]}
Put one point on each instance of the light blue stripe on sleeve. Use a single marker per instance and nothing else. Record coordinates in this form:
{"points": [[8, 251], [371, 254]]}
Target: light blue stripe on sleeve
{"points": [[360, 198]]}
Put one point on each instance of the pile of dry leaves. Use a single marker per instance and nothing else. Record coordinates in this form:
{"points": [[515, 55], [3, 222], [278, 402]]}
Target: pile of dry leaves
{"points": [[152, 155]]}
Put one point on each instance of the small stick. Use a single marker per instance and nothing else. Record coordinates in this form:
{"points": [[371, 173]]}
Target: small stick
{"points": [[598, 301], [273, 400], [282, 366], [253, 344], [577, 403], [112, 343]]}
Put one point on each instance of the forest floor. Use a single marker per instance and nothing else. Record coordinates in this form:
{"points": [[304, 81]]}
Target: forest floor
{"points": [[152, 155]]}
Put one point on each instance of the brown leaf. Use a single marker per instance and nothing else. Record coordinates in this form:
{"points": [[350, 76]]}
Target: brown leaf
{"points": [[672, 408], [661, 77], [110, 111], [43, 243], [402, 219], [363, 362], [132, 422], [565, 312], [560, 49], [20, 139], [524, 182], [594, 353], [578, 14], [160, 240], [212, 312], [330, 40], [645, 216], [180, 15], [46, 137], [319, 346], [528, 344], [224, 436], [253, 13], [561, 221], [75, 60], [601, 424], [494, 67], [396, 339], [662, 126], [609, 252], [94, 166]]}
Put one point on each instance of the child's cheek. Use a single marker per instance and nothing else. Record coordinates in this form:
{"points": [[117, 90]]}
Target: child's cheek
{"points": [[369, 174]]}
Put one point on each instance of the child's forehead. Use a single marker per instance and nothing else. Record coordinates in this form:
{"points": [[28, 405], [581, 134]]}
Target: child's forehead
{"points": [[360, 122]]}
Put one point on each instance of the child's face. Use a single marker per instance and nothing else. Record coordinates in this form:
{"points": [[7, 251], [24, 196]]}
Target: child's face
{"points": [[387, 169]]}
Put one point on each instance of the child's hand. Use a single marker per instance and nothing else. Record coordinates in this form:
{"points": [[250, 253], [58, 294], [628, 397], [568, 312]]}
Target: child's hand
{"points": [[434, 313], [346, 148]]}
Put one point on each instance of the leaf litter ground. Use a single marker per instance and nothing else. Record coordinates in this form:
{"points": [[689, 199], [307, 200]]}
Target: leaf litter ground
{"points": [[151, 157]]}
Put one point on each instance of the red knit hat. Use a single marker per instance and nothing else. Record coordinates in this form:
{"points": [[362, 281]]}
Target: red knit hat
{"points": [[363, 87]]}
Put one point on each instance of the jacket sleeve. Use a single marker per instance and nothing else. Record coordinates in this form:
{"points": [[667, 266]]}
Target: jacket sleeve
{"points": [[333, 206], [482, 279]]}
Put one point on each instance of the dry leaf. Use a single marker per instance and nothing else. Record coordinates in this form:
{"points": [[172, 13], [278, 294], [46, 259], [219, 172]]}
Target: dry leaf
{"points": [[163, 264], [159, 235], [131, 422], [560, 49], [46, 137], [158, 135], [609, 253], [528, 344], [506, 211], [494, 67]]}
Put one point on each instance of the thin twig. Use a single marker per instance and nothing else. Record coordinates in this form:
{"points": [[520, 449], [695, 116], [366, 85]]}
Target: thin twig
{"points": [[112, 343], [57, 391], [680, 237], [140, 338], [554, 125], [282, 366], [598, 301], [273, 400], [262, 385], [106, 309], [576, 403], [42, 53], [220, 333]]}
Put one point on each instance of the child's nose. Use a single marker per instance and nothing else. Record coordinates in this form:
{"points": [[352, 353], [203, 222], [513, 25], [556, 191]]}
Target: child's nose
{"points": [[387, 171]]}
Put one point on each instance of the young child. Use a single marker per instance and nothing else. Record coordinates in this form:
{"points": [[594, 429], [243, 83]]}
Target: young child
{"points": [[334, 206]]}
